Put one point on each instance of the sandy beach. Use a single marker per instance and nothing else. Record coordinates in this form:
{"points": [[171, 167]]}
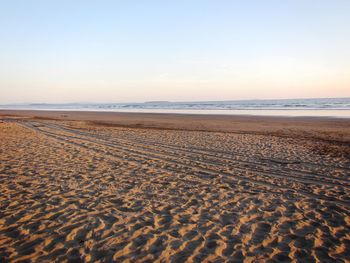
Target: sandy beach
{"points": [[123, 187]]}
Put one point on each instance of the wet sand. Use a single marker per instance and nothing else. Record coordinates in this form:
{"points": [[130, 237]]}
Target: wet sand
{"points": [[85, 186]]}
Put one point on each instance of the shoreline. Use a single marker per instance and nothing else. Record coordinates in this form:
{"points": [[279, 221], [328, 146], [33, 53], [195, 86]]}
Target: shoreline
{"points": [[324, 128], [56, 112], [293, 113]]}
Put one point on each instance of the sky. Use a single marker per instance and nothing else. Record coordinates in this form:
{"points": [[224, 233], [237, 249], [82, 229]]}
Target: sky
{"points": [[132, 51]]}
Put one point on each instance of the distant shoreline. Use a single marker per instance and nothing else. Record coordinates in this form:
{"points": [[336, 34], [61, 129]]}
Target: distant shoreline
{"points": [[325, 128], [312, 113]]}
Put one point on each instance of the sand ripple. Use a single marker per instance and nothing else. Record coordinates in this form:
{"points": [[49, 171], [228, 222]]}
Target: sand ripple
{"points": [[76, 192]]}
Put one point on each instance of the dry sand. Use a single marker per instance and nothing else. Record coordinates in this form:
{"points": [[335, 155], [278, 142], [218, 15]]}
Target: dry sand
{"points": [[114, 187]]}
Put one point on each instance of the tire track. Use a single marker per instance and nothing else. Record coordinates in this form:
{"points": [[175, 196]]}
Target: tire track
{"points": [[268, 161], [214, 164], [215, 160], [197, 170], [262, 162]]}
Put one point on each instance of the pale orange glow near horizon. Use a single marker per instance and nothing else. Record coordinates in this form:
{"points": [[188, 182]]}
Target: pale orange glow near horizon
{"points": [[74, 52]]}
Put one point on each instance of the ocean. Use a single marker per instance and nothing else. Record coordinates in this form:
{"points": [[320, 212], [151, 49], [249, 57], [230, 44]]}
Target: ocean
{"points": [[331, 107]]}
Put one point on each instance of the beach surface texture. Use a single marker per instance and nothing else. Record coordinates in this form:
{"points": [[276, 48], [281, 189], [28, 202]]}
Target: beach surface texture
{"points": [[114, 187]]}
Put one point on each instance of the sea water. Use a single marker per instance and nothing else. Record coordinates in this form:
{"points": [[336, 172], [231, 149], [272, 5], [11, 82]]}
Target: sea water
{"points": [[332, 107]]}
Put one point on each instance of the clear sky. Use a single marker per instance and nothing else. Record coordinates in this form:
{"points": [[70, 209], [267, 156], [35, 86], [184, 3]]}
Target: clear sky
{"points": [[122, 51]]}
